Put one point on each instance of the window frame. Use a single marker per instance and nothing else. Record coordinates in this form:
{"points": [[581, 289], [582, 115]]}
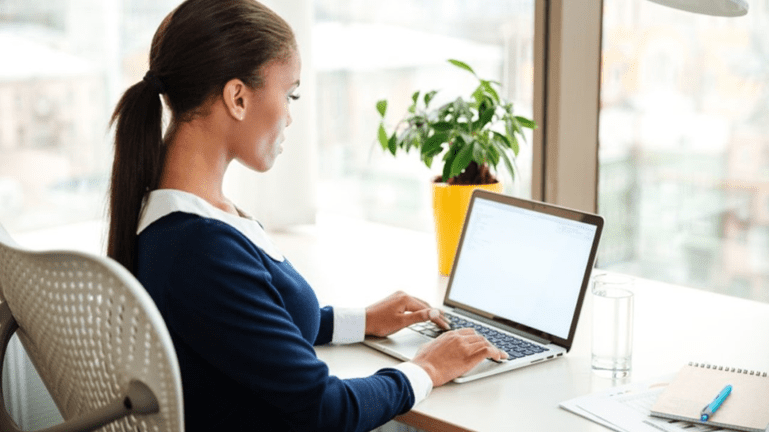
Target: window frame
{"points": [[567, 140]]}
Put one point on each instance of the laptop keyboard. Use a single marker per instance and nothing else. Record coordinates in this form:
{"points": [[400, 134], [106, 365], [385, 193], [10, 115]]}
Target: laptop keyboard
{"points": [[513, 346]]}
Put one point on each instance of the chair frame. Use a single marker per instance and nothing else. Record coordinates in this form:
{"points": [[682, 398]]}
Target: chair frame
{"points": [[136, 399]]}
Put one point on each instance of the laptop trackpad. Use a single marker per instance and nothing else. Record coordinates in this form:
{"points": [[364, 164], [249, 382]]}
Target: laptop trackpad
{"points": [[402, 345]]}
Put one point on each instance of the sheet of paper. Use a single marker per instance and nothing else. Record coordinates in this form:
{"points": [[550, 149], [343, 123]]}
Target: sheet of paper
{"points": [[571, 405], [626, 409]]}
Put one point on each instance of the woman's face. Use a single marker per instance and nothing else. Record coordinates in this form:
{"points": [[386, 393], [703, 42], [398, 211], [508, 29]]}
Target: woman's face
{"points": [[268, 114]]}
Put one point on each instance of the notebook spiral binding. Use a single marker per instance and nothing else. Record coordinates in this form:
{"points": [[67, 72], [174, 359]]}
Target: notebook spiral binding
{"points": [[728, 369]]}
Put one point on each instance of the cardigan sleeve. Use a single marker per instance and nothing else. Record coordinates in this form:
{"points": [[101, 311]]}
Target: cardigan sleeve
{"points": [[326, 330], [226, 308], [349, 326]]}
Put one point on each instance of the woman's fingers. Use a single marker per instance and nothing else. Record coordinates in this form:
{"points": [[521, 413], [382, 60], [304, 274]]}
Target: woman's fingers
{"points": [[439, 319], [400, 310], [454, 353]]}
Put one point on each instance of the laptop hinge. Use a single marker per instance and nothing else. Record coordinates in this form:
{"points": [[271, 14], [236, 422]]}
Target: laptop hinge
{"points": [[502, 326]]}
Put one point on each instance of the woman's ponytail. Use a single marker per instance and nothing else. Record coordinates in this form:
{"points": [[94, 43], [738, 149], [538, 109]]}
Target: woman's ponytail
{"points": [[197, 49], [138, 163]]}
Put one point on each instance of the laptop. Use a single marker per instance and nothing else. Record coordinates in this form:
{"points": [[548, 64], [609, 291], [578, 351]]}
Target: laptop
{"points": [[519, 278]]}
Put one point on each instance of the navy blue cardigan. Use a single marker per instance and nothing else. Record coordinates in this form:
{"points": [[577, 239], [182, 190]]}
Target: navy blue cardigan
{"points": [[244, 326]]}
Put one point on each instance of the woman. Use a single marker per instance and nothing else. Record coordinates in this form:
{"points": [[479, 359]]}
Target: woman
{"points": [[243, 321]]}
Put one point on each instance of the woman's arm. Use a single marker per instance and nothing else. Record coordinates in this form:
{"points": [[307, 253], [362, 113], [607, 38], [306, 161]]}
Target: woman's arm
{"points": [[225, 306]]}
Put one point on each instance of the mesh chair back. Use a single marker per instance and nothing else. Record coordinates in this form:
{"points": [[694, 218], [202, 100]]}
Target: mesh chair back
{"points": [[89, 329]]}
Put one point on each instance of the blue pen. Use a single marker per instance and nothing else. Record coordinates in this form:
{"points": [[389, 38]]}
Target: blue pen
{"points": [[711, 408]]}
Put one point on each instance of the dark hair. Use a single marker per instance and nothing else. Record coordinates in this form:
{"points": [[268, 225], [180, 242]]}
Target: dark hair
{"points": [[198, 48]]}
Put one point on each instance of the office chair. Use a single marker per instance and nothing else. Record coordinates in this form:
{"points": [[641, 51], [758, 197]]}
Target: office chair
{"points": [[95, 337]]}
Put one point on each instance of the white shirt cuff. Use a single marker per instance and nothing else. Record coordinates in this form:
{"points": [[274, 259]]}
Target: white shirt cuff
{"points": [[421, 383], [349, 326]]}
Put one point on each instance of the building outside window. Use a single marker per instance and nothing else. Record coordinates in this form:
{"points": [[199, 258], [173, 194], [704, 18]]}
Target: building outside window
{"points": [[64, 66], [684, 146]]}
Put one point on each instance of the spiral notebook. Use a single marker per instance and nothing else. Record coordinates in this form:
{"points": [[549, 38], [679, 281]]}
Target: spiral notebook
{"points": [[696, 385]]}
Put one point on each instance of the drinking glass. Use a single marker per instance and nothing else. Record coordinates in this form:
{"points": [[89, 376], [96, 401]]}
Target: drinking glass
{"points": [[612, 349]]}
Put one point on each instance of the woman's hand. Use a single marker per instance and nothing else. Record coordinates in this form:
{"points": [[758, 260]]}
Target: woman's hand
{"points": [[398, 311], [453, 353]]}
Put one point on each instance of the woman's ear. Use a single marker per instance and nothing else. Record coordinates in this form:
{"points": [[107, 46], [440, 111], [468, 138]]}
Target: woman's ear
{"points": [[235, 98]]}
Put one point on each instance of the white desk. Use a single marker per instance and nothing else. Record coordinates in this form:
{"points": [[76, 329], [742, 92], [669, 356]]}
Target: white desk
{"points": [[355, 264]]}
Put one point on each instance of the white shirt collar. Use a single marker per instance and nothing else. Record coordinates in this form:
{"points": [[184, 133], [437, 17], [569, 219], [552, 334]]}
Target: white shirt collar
{"points": [[163, 202]]}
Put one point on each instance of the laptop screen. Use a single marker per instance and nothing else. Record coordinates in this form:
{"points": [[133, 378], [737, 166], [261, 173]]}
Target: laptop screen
{"points": [[525, 263]]}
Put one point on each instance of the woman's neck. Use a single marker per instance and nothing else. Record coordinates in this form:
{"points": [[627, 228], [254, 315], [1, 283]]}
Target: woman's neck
{"points": [[196, 161]]}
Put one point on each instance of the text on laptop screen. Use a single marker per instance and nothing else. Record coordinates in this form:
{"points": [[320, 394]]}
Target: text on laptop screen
{"points": [[522, 265]]}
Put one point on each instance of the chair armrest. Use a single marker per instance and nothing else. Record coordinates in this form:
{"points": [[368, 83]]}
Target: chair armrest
{"points": [[139, 399]]}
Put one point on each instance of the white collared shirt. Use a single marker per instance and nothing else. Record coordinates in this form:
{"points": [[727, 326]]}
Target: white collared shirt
{"points": [[163, 202]]}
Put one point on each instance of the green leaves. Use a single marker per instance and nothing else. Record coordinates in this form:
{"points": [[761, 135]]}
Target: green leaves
{"points": [[526, 122], [414, 99], [482, 128], [381, 107], [434, 145], [484, 118], [443, 126], [392, 145], [462, 65], [486, 86], [382, 136], [463, 158], [448, 161], [508, 142], [428, 97]]}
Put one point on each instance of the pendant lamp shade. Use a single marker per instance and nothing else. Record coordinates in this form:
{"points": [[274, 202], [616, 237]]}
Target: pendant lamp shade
{"points": [[725, 8]]}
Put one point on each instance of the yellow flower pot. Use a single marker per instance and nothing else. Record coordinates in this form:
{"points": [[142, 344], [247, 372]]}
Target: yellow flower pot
{"points": [[449, 208]]}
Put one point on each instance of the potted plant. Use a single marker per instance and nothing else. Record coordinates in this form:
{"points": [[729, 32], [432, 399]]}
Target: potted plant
{"points": [[471, 136]]}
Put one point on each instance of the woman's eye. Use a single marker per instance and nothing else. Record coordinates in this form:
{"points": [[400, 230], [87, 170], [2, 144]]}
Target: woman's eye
{"points": [[293, 96]]}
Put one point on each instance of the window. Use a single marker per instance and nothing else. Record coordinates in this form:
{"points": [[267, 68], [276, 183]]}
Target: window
{"points": [[684, 139], [65, 64], [365, 51]]}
